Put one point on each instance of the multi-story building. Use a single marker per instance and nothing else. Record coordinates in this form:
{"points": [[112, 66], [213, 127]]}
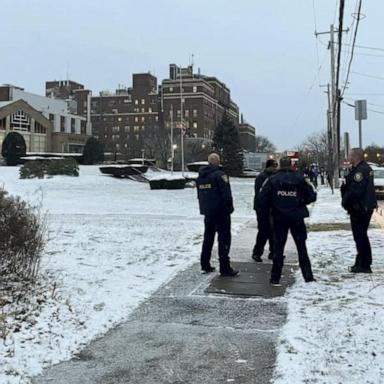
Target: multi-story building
{"points": [[205, 100], [123, 120], [247, 136], [47, 124]]}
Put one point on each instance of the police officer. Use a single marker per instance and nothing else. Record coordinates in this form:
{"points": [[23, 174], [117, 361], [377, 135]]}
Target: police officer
{"points": [[215, 201], [359, 200], [264, 220], [287, 193]]}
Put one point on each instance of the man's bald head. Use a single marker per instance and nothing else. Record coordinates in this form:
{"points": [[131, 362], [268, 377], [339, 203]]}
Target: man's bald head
{"points": [[356, 155], [214, 159]]}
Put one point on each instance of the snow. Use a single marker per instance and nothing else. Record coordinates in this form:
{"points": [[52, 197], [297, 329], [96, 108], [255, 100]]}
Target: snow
{"points": [[334, 330], [27, 158], [199, 163], [112, 243]]}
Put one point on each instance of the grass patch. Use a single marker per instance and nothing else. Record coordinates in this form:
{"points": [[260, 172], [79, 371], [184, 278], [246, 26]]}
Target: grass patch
{"points": [[328, 227]]}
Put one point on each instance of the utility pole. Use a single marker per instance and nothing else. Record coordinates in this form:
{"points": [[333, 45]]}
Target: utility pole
{"points": [[181, 121], [334, 110]]}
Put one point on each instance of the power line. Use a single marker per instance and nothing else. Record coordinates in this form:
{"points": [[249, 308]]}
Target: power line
{"points": [[340, 37], [367, 75], [317, 43], [364, 47], [353, 48], [368, 109]]}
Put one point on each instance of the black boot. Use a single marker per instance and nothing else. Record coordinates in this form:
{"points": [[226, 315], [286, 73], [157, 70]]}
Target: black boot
{"points": [[229, 272]]}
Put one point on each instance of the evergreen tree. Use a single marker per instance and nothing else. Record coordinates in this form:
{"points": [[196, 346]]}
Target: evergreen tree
{"points": [[13, 148], [226, 141], [93, 152]]}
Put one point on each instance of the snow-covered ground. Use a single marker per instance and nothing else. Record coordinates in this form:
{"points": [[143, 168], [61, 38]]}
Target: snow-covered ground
{"points": [[335, 331], [112, 242]]}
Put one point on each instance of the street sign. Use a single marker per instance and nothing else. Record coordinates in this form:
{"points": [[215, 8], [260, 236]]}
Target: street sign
{"points": [[361, 110]]}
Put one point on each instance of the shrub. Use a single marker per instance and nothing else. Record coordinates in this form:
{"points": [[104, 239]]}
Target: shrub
{"points": [[21, 239], [49, 167], [13, 148], [93, 152]]}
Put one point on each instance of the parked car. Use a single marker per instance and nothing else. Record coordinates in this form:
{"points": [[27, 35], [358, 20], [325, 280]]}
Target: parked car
{"points": [[378, 174]]}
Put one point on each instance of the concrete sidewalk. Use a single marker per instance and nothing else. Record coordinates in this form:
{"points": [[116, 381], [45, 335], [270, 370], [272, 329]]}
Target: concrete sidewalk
{"points": [[183, 335]]}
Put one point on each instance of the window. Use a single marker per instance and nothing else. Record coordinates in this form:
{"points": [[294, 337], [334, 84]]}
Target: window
{"points": [[186, 113], [142, 101], [178, 113], [137, 137], [85, 104], [62, 124], [156, 118], [149, 109], [136, 102], [117, 146], [51, 117], [142, 119], [119, 119], [73, 130], [194, 89], [115, 137], [116, 129], [136, 128], [125, 145], [143, 110], [195, 113], [142, 127], [170, 89], [126, 128], [136, 119], [194, 124]]}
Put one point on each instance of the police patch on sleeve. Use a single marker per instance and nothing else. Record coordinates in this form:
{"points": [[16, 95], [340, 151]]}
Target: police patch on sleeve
{"points": [[358, 177], [225, 178]]}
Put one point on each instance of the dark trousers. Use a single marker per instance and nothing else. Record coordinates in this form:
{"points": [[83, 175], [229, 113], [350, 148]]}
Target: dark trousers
{"points": [[299, 233], [360, 224], [222, 225], [264, 233]]}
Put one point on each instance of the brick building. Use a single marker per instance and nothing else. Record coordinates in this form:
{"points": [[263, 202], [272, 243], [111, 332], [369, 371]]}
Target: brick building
{"points": [[205, 100], [123, 119], [247, 136]]}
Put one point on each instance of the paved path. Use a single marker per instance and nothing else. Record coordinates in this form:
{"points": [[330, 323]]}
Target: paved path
{"points": [[182, 335]]}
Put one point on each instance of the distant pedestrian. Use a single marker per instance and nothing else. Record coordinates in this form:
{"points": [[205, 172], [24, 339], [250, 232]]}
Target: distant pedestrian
{"points": [[215, 201], [359, 200], [264, 219], [322, 175], [315, 176], [287, 194]]}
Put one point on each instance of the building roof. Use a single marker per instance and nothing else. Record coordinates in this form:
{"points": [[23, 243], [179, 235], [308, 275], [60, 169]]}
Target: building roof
{"points": [[13, 106]]}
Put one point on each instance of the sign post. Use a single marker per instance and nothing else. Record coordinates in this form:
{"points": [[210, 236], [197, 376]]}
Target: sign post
{"points": [[360, 114]]}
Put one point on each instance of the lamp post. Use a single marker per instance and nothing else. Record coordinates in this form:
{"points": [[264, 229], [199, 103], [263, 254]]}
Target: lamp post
{"points": [[174, 147]]}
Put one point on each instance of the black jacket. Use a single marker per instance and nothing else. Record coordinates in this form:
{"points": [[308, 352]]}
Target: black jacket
{"points": [[358, 192], [214, 191], [287, 193], [259, 181]]}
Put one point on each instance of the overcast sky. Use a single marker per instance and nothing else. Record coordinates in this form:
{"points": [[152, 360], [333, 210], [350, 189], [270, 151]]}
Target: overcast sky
{"points": [[265, 51]]}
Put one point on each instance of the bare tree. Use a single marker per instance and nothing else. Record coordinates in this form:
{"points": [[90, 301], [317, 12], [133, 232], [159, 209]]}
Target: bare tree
{"points": [[263, 144], [157, 145], [314, 149], [197, 149]]}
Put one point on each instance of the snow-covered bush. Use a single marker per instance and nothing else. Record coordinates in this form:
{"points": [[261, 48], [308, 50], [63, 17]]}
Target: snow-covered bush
{"points": [[49, 167], [21, 239]]}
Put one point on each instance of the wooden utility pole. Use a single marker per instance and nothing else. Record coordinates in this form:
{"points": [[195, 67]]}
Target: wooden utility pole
{"points": [[334, 110]]}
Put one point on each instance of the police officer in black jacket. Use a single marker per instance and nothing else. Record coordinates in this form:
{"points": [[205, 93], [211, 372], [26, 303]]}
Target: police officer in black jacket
{"points": [[359, 200], [215, 201], [287, 193], [264, 220]]}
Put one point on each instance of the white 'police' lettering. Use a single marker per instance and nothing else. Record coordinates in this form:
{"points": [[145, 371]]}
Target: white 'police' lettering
{"points": [[287, 193]]}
